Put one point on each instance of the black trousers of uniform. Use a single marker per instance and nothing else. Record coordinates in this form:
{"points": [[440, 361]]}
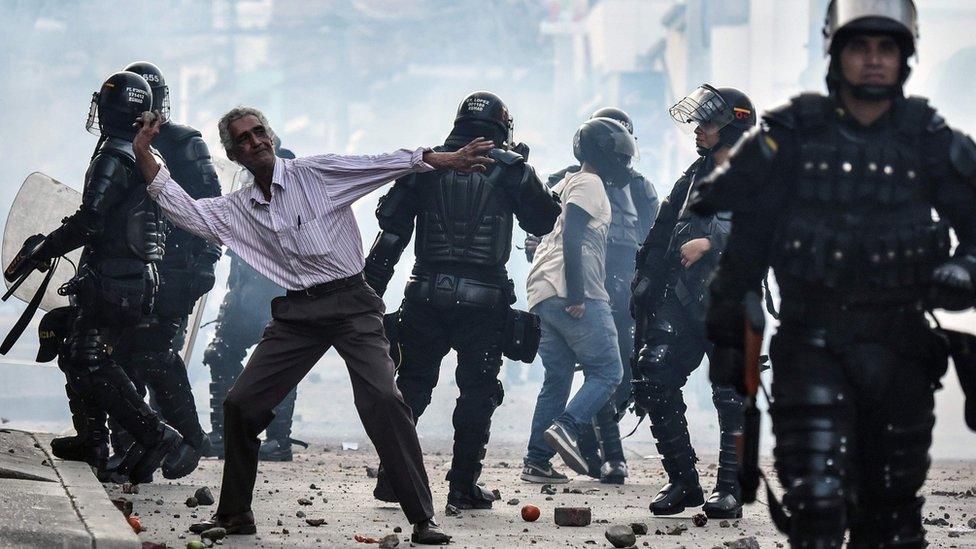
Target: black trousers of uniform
{"points": [[853, 418], [427, 333], [348, 317]]}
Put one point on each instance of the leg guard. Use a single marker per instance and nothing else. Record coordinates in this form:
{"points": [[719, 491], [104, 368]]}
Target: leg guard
{"points": [[223, 356], [812, 415], [726, 500], [90, 442], [280, 428]]}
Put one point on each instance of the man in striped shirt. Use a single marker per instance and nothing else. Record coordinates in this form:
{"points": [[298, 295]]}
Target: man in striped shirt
{"points": [[295, 225]]}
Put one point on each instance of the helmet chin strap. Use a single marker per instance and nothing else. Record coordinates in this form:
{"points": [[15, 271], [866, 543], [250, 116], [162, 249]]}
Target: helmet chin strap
{"points": [[875, 93]]}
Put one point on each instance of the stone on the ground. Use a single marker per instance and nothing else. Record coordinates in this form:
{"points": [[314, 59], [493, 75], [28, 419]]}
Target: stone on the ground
{"points": [[304, 501], [639, 528], [621, 535], [513, 501], [572, 516], [192, 502], [123, 505], [204, 496], [676, 529], [548, 490], [389, 541], [315, 521], [699, 520]]}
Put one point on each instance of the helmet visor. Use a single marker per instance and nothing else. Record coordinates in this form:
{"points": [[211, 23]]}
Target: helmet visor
{"points": [[705, 109]]}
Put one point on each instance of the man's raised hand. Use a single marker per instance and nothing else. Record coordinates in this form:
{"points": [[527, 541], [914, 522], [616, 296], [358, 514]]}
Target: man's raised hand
{"points": [[148, 124], [469, 158]]}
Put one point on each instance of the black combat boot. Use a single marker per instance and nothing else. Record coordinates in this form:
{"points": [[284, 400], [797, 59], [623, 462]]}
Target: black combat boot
{"points": [[670, 429], [613, 470], [590, 448], [277, 443], [726, 500], [90, 444], [468, 495]]}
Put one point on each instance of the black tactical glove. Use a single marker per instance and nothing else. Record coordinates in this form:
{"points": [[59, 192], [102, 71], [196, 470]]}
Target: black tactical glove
{"points": [[952, 284]]}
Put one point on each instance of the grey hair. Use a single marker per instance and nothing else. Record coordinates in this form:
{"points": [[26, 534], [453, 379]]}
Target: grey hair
{"points": [[223, 125]]}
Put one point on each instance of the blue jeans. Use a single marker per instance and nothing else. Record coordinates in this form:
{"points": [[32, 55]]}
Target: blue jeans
{"points": [[590, 341]]}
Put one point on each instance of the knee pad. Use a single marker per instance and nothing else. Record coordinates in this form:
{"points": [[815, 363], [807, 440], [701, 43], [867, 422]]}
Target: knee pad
{"points": [[87, 350]]}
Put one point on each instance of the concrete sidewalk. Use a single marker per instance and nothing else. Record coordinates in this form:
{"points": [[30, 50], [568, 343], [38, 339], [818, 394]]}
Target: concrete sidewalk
{"points": [[45, 502]]}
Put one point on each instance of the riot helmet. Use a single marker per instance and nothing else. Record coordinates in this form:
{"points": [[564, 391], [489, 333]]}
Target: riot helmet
{"points": [[116, 105], [605, 144], [724, 111], [157, 83], [484, 114], [848, 18], [615, 114]]}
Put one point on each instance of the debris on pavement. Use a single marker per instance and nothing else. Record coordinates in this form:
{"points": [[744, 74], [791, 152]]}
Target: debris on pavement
{"points": [[572, 516], [530, 513], [620, 535], [699, 520], [204, 496]]}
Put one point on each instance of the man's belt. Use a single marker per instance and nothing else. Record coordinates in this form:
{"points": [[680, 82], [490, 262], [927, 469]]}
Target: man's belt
{"points": [[329, 287]]}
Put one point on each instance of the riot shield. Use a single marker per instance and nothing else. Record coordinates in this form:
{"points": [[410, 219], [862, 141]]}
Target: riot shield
{"points": [[41, 203]]}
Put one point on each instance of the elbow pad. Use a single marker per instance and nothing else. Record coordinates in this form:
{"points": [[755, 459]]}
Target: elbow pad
{"points": [[383, 257], [540, 207]]}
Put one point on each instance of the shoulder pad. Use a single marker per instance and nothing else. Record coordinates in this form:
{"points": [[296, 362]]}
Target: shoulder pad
{"points": [[937, 123], [962, 154], [914, 115], [505, 157], [781, 116], [178, 132], [810, 109], [117, 147]]}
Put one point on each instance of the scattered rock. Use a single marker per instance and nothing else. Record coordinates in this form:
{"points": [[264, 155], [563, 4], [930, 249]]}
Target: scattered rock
{"points": [[451, 511], [620, 535], [389, 541], [972, 523], [397, 530], [192, 502], [548, 490], [304, 501], [159, 501], [699, 520], [936, 522], [372, 472], [195, 544], [723, 524], [314, 521], [639, 528], [300, 514], [313, 486], [279, 523], [123, 505], [572, 516], [214, 534], [743, 543], [204, 496], [572, 491], [128, 488], [676, 529], [497, 494], [513, 501]]}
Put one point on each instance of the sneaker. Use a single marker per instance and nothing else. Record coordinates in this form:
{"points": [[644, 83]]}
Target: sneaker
{"points": [[542, 474], [565, 445]]}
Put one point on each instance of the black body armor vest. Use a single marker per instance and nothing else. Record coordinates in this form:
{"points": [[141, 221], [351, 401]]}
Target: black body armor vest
{"points": [[465, 222], [132, 230], [859, 225]]}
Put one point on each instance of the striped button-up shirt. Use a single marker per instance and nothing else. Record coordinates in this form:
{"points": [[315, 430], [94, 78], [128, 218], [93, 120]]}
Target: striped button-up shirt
{"points": [[307, 233]]}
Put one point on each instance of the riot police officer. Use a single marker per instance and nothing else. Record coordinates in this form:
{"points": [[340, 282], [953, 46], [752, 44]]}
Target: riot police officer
{"points": [[121, 231], [633, 205], [459, 294], [186, 273], [836, 193], [244, 313], [670, 288]]}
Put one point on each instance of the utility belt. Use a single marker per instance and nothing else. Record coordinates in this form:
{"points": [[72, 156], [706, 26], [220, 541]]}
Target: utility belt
{"points": [[115, 290], [522, 329]]}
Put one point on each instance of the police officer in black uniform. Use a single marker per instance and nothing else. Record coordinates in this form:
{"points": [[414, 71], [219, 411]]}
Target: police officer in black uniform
{"points": [[633, 206], [836, 193], [670, 290], [459, 294], [186, 272], [244, 313], [121, 230]]}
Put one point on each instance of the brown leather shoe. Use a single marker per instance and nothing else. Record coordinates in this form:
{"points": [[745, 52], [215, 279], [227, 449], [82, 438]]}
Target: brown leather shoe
{"points": [[429, 533], [242, 524]]}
